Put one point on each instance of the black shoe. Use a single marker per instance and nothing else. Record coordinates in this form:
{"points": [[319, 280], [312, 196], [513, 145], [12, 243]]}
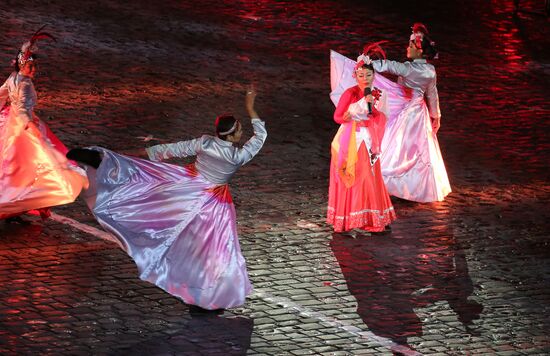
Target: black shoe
{"points": [[17, 220], [348, 234], [196, 310], [85, 156]]}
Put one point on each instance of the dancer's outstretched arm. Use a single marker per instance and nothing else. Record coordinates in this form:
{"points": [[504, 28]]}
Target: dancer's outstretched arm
{"points": [[171, 150], [392, 67], [166, 151], [255, 143]]}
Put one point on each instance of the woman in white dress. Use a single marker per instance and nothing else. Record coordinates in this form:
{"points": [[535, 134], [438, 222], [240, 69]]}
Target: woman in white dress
{"points": [[179, 223], [412, 164]]}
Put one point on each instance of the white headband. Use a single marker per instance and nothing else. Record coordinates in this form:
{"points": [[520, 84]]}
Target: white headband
{"points": [[230, 131]]}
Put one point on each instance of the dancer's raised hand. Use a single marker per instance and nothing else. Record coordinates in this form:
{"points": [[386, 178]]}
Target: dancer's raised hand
{"points": [[249, 101]]}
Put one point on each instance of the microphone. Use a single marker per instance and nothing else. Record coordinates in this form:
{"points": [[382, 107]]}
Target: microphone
{"points": [[367, 92]]}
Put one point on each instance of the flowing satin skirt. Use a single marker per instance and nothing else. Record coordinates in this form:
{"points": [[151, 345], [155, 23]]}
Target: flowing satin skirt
{"points": [[366, 205], [179, 228], [412, 164], [34, 173]]}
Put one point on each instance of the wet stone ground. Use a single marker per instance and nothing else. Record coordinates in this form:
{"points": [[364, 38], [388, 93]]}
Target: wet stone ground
{"points": [[467, 276]]}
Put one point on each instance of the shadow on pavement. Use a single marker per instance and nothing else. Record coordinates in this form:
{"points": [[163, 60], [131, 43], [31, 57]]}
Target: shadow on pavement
{"points": [[64, 294], [390, 277], [17, 233]]}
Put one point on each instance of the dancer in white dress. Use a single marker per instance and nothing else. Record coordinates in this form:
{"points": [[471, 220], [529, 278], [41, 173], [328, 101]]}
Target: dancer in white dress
{"points": [[178, 223]]}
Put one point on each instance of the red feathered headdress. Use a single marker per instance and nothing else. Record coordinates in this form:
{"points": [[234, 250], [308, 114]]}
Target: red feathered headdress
{"points": [[419, 30], [370, 52], [29, 48]]}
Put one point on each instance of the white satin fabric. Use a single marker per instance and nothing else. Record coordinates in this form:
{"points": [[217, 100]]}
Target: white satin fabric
{"points": [[178, 225], [412, 164], [418, 75], [34, 172], [20, 90], [359, 112]]}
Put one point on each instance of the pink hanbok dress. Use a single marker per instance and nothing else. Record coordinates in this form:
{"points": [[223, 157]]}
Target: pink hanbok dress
{"points": [[357, 195]]}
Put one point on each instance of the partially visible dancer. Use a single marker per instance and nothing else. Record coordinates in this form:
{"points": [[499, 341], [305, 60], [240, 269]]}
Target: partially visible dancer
{"points": [[357, 195], [34, 172], [412, 164], [179, 223]]}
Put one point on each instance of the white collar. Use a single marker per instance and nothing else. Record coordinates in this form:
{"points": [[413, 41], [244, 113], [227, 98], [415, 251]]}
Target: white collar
{"points": [[420, 60]]}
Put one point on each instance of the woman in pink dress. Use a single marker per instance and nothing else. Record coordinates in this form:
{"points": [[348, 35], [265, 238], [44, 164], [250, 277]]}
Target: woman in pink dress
{"points": [[34, 172], [357, 194]]}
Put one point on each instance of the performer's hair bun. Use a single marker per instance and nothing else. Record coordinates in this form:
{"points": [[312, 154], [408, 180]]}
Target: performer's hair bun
{"points": [[428, 48]]}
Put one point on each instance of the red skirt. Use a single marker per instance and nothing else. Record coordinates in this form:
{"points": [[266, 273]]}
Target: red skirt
{"points": [[366, 205]]}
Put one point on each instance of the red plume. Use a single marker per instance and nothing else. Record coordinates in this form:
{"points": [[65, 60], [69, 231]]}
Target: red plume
{"points": [[420, 27], [38, 35], [374, 50]]}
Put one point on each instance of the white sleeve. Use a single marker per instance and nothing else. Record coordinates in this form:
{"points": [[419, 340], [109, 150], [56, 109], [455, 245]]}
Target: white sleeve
{"points": [[25, 107], [171, 150], [432, 100], [392, 67], [254, 144]]}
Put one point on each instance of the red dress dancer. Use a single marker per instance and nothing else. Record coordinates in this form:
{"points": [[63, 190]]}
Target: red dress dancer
{"points": [[357, 195]]}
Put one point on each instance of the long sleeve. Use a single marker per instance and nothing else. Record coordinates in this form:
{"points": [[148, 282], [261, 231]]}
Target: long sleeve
{"points": [[432, 99], [170, 150], [3, 94], [392, 67], [25, 103], [253, 145], [342, 107]]}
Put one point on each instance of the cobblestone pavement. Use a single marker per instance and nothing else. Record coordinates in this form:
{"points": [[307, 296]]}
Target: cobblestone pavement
{"points": [[467, 276]]}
